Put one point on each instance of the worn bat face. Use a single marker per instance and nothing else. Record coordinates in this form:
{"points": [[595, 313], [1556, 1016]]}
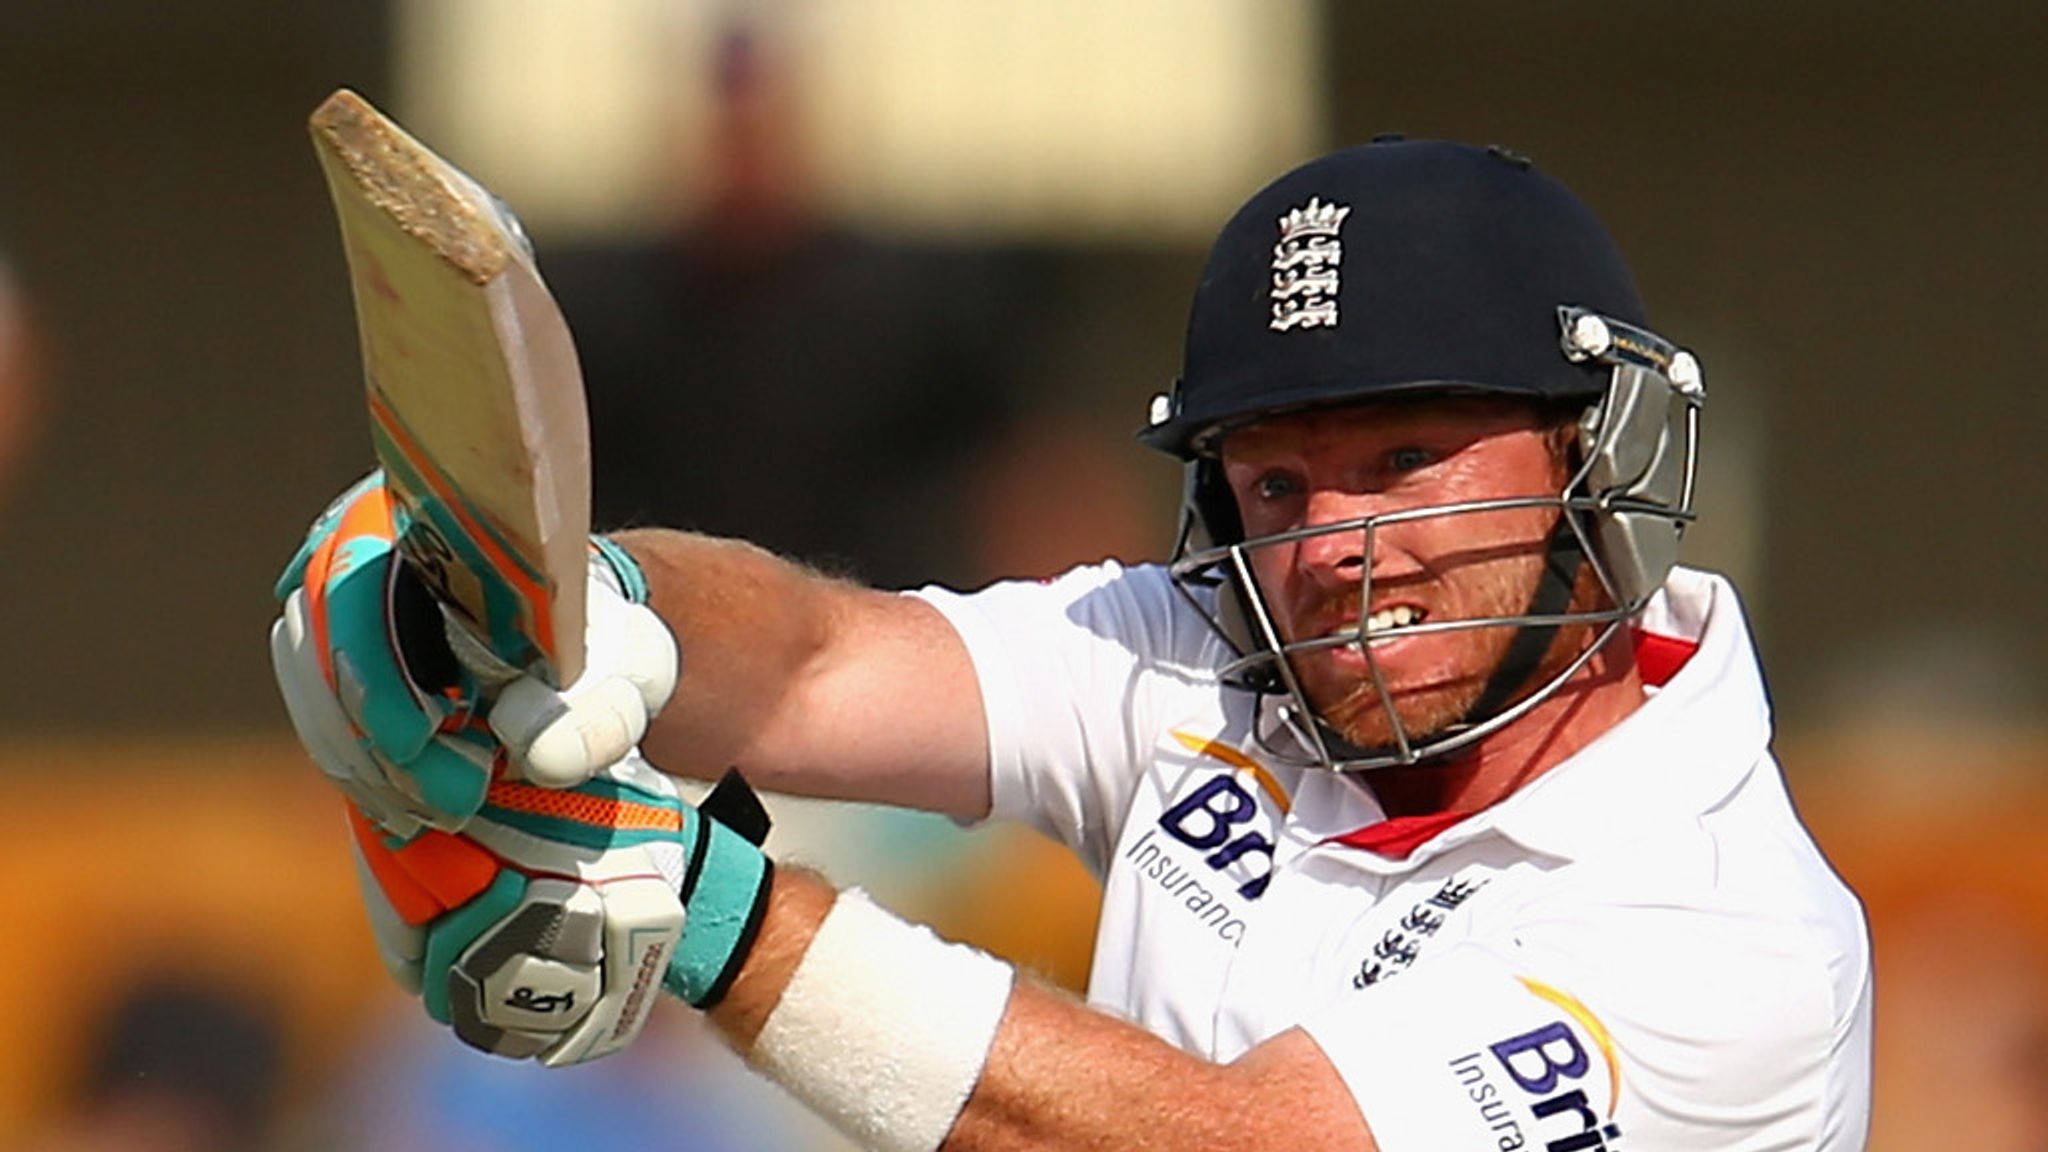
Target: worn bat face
{"points": [[475, 398]]}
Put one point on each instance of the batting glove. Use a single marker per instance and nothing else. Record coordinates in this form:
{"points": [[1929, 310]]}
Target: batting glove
{"points": [[545, 927], [383, 703]]}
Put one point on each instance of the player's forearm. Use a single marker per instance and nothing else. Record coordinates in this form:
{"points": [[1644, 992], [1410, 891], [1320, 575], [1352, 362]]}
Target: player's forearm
{"points": [[797, 904], [1063, 1076], [1059, 1075], [810, 684], [748, 623]]}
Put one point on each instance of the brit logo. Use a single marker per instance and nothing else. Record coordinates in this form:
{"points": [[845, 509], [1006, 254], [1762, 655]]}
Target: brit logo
{"points": [[1211, 851], [1305, 266], [1537, 1087]]}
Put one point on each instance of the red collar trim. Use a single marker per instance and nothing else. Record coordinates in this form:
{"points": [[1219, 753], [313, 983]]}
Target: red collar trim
{"points": [[1395, 838], [1658, 659]]}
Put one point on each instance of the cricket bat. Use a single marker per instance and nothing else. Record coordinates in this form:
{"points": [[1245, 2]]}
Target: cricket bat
{"points": [[475, 398], [478, 420]]}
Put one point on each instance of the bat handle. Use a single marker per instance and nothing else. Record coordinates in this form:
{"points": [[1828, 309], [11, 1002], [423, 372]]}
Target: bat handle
{"points": [[487, 666]]}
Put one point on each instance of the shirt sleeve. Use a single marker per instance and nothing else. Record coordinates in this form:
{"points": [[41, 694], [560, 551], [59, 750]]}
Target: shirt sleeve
{"points": [[1064, 667]]}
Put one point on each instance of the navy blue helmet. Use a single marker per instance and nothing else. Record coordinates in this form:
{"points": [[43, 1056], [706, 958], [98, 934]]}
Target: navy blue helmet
{"points": [[1412, 268]]}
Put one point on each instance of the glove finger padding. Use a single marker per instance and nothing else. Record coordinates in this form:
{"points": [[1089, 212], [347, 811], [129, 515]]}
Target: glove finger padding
{"points": [[401, 946], [325, 731], [533, 947], [545, 927], [558, 738], [421, 892], [561, 958], [438, 784], [376, 698]]}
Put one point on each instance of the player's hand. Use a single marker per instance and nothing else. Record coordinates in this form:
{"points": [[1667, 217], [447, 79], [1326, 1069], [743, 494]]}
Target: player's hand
{"points": [[378, 697], [544, 929], [563, 736]]}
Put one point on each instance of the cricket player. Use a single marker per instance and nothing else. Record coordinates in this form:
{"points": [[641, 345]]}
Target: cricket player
{"points": [[1432, 800]]}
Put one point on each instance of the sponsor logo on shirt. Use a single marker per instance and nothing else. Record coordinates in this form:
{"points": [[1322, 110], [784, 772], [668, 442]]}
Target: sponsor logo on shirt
{"points": [[1530, 1088], [1402, 944], [1224, 823]]}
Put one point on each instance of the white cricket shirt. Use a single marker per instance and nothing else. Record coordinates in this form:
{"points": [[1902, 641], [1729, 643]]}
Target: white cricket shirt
{"points": [[1642, 949]]}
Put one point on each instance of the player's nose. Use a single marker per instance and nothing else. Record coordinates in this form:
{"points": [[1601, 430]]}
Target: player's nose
{"points": [[1337, 551], [1351, 541]]}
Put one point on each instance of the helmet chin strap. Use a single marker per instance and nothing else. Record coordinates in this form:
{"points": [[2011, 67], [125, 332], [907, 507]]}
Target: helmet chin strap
{"points": [[1563, 559]]}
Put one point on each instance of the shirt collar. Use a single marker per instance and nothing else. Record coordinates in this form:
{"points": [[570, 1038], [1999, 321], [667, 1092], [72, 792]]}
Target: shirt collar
{"points": [[1687, 749], [1692, 744]]}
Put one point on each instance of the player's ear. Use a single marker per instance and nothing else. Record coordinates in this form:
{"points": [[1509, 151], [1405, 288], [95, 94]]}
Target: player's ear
{"points": [[1209, 496], [1564, 439]]}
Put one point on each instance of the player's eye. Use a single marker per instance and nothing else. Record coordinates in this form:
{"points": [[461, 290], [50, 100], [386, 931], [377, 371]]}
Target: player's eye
{"points": [[1409, 459], [1276, 486]]}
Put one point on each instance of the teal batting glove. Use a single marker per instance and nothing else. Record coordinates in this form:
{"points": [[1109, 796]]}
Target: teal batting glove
{"points": [[543, 929], [393, 724], [398, 722]]}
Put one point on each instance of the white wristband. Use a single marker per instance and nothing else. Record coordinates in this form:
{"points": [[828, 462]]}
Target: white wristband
{"points": [[884, 1027]]}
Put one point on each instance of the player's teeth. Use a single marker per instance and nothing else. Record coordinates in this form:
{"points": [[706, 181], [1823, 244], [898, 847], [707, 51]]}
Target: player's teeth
{"points": [[1399, 616]]}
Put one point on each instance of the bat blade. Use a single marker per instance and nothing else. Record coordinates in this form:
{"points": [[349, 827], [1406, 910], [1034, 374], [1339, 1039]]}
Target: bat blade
{"points": [[475, 398]]}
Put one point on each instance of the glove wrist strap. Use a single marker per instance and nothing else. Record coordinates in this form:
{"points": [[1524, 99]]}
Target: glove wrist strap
{"points": [[724, 893], [620, 570]]}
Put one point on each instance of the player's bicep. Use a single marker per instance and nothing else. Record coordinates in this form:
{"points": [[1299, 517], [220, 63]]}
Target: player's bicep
{"points": [[1468, 1050], [1319, 1111], [888, 712], [1063, 667]]}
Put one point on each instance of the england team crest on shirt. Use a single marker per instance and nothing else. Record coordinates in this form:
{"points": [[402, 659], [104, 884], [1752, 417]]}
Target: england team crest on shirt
{"points": [[1305, 266]]}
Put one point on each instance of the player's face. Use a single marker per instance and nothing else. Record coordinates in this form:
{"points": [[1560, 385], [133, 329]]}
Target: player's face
{"points": [[1330, 466]]}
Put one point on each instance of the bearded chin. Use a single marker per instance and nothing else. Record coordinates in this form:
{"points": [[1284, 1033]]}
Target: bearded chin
{"points": [[1355, 712], [1350, 705], [1360, 718]]}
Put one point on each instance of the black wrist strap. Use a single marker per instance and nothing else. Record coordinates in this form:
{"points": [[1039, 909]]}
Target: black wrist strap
{"points": [[732, 803]]}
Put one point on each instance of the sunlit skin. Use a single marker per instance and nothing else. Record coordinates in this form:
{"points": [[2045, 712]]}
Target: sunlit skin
{"points": [[1330, 466]]}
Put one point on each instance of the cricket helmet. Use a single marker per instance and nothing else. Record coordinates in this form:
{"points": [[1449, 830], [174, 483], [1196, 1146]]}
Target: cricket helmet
{"points": [[1414, 268]]}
